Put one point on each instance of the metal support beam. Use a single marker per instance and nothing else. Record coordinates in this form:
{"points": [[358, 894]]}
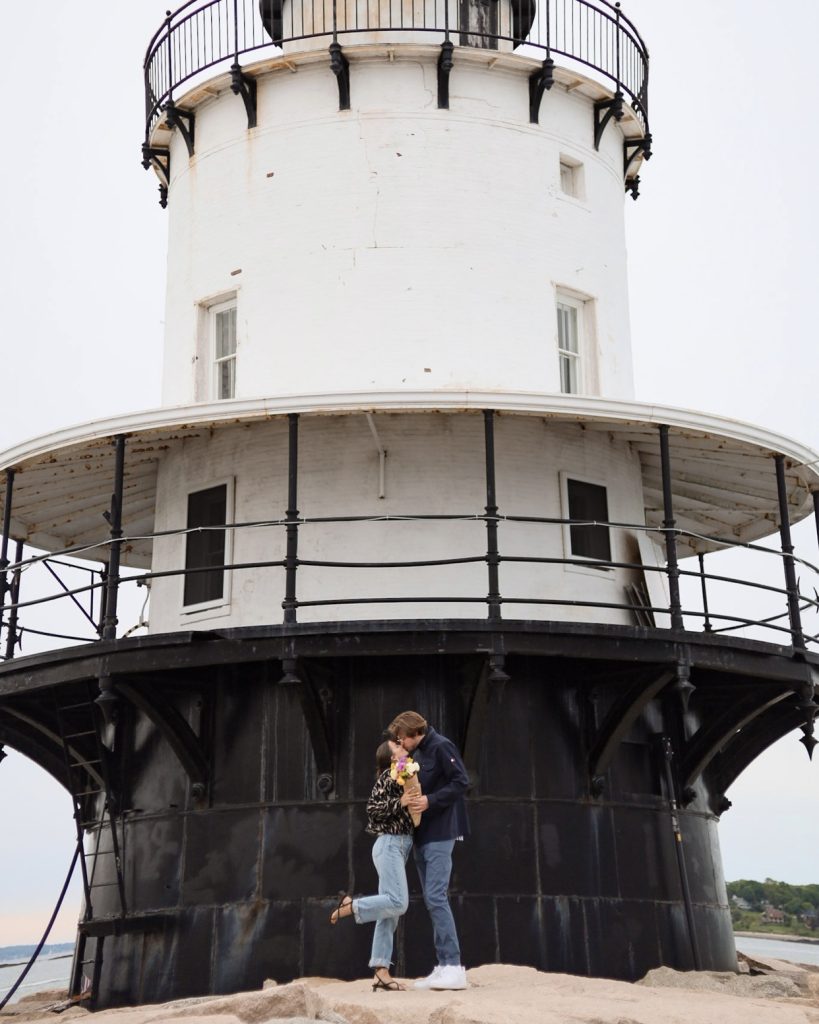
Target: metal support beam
{"points": [[623, 714], [492, 556], [445, 65], [185, 122], [340, 67], [295, 675], [604, 111], [291, 561], [114, 519], [792, 587], [673, 570], [540, 81], [245, 86], [160, 160]]}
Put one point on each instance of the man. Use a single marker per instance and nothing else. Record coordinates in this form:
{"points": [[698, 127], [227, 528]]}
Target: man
{"points": [[442, 806]]}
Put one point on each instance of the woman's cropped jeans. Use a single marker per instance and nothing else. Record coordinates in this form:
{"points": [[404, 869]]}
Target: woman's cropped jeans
{"points": [[390, 855]]}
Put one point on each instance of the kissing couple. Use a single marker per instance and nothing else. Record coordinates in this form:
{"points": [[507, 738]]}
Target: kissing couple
{"points": [[418, 803]]}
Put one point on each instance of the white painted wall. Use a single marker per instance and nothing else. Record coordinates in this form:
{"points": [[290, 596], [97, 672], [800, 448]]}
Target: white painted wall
{"points": [[435, 465], [395, 245]]}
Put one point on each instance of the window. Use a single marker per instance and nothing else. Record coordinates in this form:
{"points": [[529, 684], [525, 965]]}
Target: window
{"points": [[569, 322], [206, 547], [223, 318], [571, 177], [588, 503]]}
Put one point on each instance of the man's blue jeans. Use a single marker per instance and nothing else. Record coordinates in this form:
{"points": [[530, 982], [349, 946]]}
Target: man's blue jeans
{"points": [[390, 855], [434, 863]]}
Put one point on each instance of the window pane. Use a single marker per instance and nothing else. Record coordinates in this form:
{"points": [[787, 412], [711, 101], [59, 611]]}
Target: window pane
{"points": [[204, 549], [225, 333], [589, 502], [567, 327], [226, 377], [567, 179]]}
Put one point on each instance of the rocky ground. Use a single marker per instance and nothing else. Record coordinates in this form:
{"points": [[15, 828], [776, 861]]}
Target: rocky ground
{"points": [[769, 992]]}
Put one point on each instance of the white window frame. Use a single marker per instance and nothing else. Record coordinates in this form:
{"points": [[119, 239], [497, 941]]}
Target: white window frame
{"points": [[575, 360], [216, 361], [217, 606], [571, 177], [582, 563]]}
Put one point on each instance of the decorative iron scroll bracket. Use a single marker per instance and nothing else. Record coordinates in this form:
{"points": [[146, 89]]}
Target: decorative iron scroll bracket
{"points": [[618, 722], [160, 161], [185, 122], [631, 149], [295, 675], [340, 67], [245, 86], [604, 111], [445, 65], [633, 186], [540, 81]]}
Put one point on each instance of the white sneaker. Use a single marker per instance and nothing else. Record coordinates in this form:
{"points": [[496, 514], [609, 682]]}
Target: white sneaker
{"points": [[453, 976], [427, 982]]}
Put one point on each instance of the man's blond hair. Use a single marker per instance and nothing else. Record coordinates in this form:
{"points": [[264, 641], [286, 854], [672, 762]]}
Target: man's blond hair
{"points": [[408, 723]]}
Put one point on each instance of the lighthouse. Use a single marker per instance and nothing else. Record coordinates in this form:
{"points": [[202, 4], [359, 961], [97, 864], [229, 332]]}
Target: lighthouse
{"points": [[399, 463]]}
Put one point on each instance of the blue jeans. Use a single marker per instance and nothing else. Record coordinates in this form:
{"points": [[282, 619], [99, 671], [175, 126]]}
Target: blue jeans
{"points": [[434, 863], [390, 855]]}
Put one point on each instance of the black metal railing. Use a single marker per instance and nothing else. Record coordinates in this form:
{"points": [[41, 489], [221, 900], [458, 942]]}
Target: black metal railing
{"points": [[593, 35], [707, 601]]}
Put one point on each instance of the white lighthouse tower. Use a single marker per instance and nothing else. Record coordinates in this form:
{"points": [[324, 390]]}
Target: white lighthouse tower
{"points": [[399, 463]]}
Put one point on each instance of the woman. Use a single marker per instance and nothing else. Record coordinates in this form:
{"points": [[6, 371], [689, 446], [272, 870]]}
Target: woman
{"points": [[390, 821]]}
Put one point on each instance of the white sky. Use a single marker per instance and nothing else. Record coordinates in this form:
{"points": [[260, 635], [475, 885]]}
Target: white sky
{"points": [[722, 259]]}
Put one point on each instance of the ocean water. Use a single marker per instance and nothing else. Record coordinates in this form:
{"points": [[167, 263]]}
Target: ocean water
{"points": [[797, 952], [51, 970]]}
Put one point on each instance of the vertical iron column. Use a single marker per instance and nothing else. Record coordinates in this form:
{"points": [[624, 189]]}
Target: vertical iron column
{"points": [[11, 628], [816, 511], [114, 517], [492, 556], [667, 753], [4, 539], [291, 562], [794, 614], [673, 570]]}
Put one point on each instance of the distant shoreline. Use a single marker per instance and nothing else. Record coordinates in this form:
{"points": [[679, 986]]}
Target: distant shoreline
{"points": [[775, 935]]}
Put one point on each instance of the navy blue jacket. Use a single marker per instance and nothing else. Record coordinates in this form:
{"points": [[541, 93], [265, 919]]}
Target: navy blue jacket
{"points": [[444, 783]]}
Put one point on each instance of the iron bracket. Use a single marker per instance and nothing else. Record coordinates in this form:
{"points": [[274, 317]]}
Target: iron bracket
{"points": [[184, 121], [604, 111], [621, 717], [340, 67], [294, 675], [160, 160], [540, 81], [633, 186], [445, 64], [245, 86], [632, 147]]}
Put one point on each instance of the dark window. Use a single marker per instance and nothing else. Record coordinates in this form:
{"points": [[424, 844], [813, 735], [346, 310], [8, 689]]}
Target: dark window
{"points": [[587, 502], [205, 549]]}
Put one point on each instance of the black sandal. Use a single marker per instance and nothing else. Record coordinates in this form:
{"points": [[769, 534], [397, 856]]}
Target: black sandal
{"points": [[388, 986], [344, 900]]}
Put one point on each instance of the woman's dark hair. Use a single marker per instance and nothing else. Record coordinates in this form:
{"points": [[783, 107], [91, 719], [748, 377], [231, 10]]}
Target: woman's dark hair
{"points": [[383, 757]]}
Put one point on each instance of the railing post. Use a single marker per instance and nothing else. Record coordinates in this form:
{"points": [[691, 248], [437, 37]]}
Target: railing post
{"points": [[492, 557], [816, 511], [707, 623], [673, 571], [11, 628], [114, 518], [291, 561], [794, 614]]}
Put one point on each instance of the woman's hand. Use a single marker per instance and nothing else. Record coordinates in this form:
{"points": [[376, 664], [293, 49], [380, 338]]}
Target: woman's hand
{"points": [[405, 799]]}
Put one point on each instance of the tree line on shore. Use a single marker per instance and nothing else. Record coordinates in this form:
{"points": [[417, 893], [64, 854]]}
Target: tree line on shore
{"points": [[774, 906]]}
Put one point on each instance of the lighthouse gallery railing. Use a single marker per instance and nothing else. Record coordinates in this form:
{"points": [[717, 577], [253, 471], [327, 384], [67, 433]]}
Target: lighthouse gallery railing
{"points": [[593, 35]]}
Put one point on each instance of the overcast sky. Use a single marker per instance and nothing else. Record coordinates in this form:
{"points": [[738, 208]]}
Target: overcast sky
{"points": [[722, 261]]}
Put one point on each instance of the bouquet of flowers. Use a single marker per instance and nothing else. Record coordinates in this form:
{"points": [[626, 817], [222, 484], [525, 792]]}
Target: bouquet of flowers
{"points": [[404, 771]]}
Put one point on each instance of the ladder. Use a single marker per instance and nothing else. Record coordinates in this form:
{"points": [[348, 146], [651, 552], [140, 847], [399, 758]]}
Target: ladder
{"points": [[88, 772]]}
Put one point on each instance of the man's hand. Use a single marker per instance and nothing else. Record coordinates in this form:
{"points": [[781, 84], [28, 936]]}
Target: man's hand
{"points": [[417, 802]]}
